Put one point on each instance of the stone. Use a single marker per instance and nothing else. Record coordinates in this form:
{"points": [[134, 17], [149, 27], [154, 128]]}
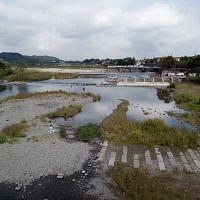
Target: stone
{"points": [[124, 158], [18, 187], [161, 166], [60, 176]]}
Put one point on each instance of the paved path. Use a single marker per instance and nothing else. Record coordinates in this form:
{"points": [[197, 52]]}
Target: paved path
{"points": [[155, 158]]}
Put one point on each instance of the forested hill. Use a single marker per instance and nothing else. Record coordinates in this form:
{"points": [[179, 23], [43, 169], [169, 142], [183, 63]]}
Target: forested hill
{"points": [[12, 58]]}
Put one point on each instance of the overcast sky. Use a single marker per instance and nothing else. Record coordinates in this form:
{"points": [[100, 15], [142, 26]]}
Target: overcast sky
{"points": [[79, 29]]}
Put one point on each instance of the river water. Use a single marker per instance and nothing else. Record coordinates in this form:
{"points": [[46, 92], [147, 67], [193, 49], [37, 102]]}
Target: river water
{"points": [[145, 102]]}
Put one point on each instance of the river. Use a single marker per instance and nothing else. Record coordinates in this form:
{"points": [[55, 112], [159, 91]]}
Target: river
{"points": [[145, 102]]}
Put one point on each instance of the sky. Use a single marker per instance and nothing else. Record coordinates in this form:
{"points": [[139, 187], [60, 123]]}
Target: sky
{"points": [[80, 29]]}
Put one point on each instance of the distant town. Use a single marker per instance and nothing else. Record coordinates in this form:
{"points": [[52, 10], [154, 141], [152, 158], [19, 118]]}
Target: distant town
{"points": [[173, 65]]}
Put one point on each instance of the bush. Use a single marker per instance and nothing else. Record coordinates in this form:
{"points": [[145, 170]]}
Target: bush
{"points": [[62, 132], [172, 85], [87, 132]]}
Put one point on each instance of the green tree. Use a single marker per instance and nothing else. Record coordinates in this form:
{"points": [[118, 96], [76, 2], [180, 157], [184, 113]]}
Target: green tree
{"points": [[168, 62], [5, 69]]}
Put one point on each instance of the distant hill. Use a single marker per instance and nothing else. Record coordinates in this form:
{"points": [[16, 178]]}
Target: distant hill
{"points": [[12, 58]]}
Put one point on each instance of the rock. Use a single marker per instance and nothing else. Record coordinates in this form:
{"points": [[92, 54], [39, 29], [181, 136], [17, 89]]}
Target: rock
{"points": [[17, 188], [60, 176], [83, 171]]}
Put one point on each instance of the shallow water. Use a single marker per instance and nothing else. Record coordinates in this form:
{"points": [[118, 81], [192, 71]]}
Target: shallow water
{"points": [[144, 101]]}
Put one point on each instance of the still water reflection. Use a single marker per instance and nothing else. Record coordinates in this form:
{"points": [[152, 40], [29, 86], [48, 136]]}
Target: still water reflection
{"points": [[144, 101]]}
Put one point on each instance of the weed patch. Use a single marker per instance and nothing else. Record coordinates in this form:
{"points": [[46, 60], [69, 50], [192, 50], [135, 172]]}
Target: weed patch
{"points": [[87, 132], [62, 132], [141, 184], [65, 112], [11, 133], [118, 129]]}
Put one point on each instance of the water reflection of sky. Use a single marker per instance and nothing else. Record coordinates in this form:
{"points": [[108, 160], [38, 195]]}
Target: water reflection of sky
{"points": [[141, 99]]}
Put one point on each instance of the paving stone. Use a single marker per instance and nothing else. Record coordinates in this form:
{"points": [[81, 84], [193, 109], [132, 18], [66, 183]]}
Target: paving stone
{"points": [[148, 161], [136, 157], [197, 153], [112, 159], [183, 159], [173, 162], [170, 155], [125, 150], [102, 153], [181, 154], [188, 167], [192, 154], [197, 162], [105, 144], [124, 158], [113, 154], [161, 166], [111, 162], [157, 151], [159, 158], [147, 153], [136, 164]]}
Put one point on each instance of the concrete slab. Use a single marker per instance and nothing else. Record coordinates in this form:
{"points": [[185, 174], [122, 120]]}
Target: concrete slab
{"points": [[159, 158], [157, 151], [188, 168], [125, 150], [197, 153], [181, 154], [148, 161], [113, 154], [124, 158], [111, 162], [183, 159], [161, 166], [105, 144], [173, 162], [191, 153], [147, 153], [136, 164], [136, 157], [197, 162], [102, 154], [170, 155]]}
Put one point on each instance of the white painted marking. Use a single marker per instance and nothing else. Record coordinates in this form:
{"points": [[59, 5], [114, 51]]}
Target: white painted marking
{"points": [[161, 166], [112, 159], [124, 158]]}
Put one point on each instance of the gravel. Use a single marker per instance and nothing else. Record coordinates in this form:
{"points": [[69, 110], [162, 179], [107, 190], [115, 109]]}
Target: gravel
{"points": [[30, 159], [23, 162]]}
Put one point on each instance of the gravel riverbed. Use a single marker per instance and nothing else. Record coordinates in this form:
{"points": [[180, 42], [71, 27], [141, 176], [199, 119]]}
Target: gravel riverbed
{"points": [[31, 159]]}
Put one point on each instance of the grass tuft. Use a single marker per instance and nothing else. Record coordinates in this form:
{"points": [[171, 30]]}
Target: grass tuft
{"points": [[87, 132], [65, 112], [62, 132], [11, 133]]}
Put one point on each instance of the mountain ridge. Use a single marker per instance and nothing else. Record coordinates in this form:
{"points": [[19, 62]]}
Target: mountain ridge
{"points": [[13, 57]]}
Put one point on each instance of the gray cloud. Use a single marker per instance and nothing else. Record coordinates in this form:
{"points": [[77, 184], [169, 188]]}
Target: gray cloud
{"points": [[79, 29]]}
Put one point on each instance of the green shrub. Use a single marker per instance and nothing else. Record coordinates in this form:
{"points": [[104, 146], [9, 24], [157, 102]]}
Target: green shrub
{"points": [[62, 132], [172, 85], [87, 132]]}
